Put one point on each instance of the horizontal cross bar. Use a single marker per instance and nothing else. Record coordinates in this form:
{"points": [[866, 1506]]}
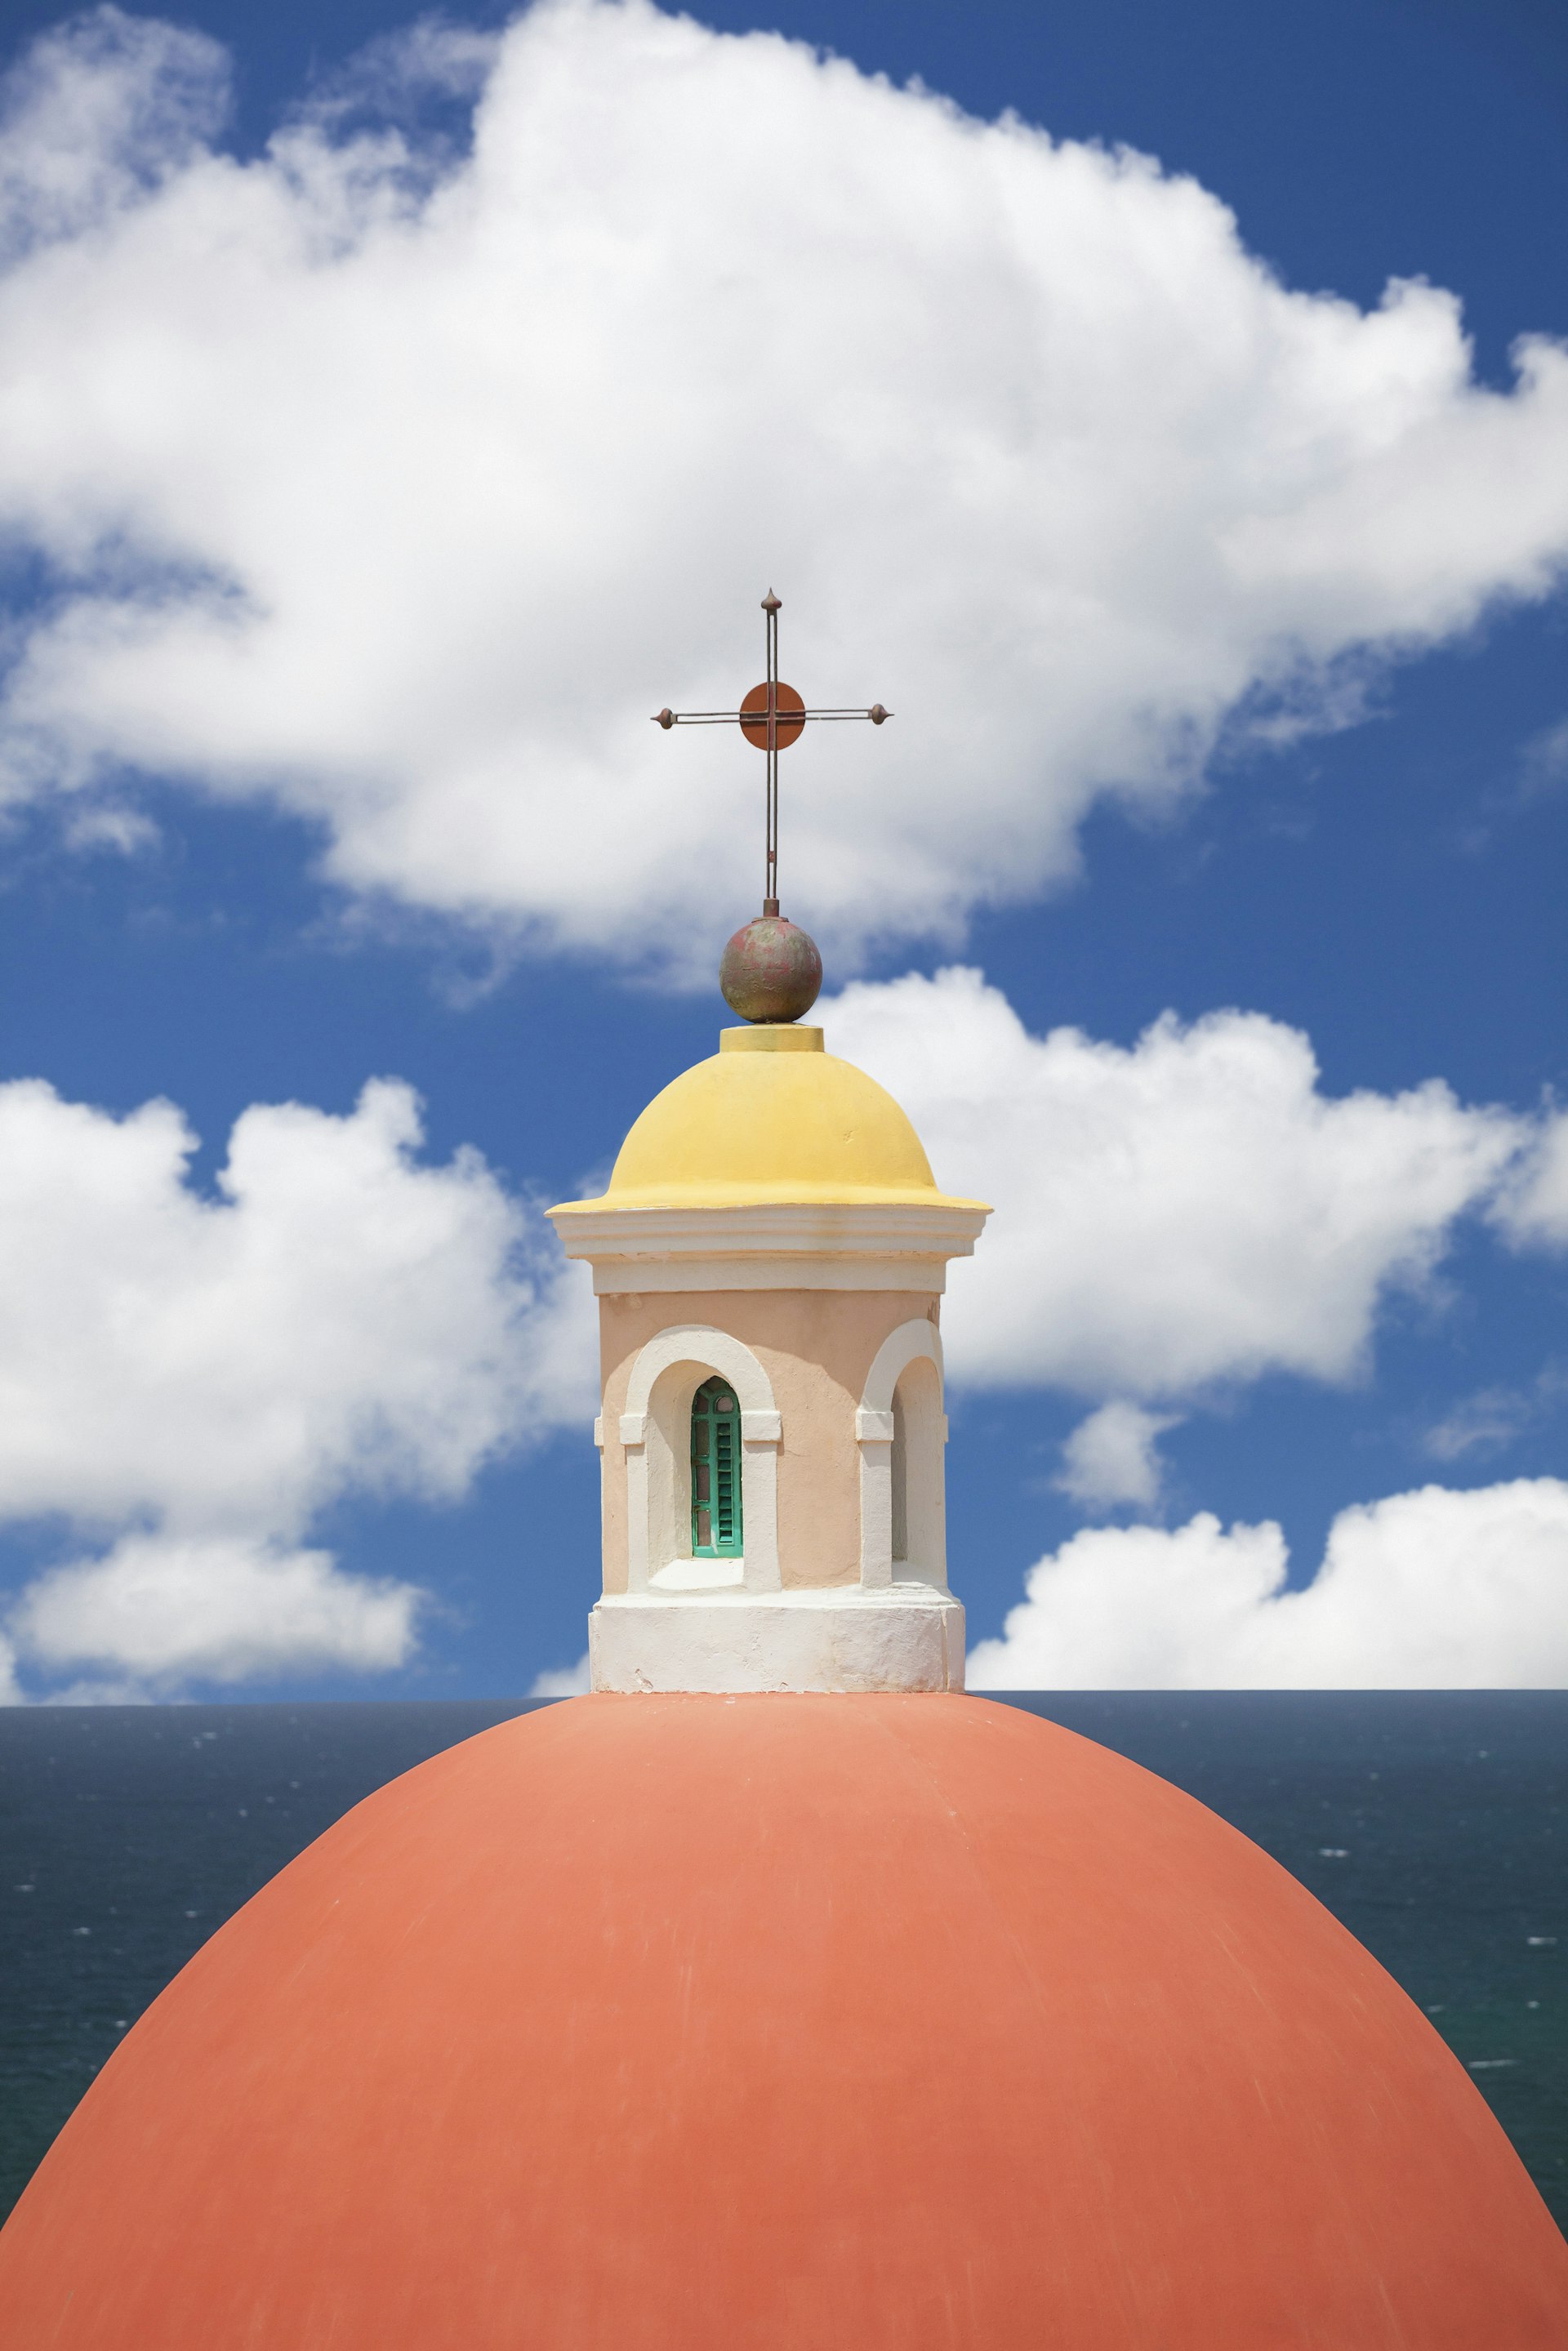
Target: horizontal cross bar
{"points": [[667, 718]]}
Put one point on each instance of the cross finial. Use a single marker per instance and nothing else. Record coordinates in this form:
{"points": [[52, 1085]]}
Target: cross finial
{"points": [[773, 716]]}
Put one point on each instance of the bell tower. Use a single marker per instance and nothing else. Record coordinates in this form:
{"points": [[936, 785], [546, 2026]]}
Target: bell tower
{"points": [[770, 1260]]}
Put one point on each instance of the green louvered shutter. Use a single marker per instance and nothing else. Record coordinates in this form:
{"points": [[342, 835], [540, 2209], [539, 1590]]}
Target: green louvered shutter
{"points": [[715, 1472]]}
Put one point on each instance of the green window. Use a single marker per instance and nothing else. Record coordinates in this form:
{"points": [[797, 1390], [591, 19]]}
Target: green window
{"points": [[715, 1472]]}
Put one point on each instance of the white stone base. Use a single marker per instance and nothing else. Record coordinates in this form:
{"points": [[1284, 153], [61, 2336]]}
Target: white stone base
{"points": [[906, 1636]]}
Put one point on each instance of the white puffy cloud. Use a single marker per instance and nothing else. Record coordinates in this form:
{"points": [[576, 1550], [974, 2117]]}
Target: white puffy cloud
{"points": [[161, 1610], [563, 1681], [1533, 1208], [338, 1315], [98, 114], [397, 485], [1187, 1210], [1436, 1589], [195, 1377], [1113, 1457]]}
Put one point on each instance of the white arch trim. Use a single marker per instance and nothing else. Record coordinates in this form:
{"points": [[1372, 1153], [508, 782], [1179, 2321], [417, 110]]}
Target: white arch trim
{"points": [[874, 1434], [700, 1342], [652, 1433], [892, 1359]]}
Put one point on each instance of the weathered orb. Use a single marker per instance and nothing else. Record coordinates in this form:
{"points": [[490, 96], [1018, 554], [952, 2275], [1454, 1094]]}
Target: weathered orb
{"points": [[771, 970]]}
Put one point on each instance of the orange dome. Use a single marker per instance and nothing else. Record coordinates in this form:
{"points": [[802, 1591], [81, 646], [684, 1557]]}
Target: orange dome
{"points": [[692, 2023]]}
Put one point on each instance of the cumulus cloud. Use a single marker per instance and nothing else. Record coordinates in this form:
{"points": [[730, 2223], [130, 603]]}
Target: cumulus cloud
{"points": [[99, 115], [563, 1681], [163, 1611], [195, 1377], [1533, 1208], [1112, 1458], [1437, 1589], [1189, 1209], [397, 480]]}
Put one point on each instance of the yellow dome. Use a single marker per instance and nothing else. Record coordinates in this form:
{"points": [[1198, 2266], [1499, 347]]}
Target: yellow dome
{"points": [[771, 1117]]}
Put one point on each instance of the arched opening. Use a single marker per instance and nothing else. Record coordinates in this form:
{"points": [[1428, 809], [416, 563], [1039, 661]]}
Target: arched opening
{"points": [[900, 1479], [919, 1534], [675, 1373], [716, 1480], [901, 1430]]}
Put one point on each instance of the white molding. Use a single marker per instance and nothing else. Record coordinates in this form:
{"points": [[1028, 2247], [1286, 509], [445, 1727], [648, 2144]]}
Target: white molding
{"points": [[652, 1277], [666, 1375], [908, 1638], [892, 1359], [873, 1430], [701, 1342], [780, 1245], [599, 1431]]}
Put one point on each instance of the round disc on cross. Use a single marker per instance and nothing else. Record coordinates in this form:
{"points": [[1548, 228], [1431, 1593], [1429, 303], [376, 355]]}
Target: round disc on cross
{"points": [[788, 725]]}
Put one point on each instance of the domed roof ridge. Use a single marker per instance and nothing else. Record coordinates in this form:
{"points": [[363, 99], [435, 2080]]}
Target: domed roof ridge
{"points": [[898, 2021]]}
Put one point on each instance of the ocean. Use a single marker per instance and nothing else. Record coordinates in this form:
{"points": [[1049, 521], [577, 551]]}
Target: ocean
{"points": [[1433, 1824]]}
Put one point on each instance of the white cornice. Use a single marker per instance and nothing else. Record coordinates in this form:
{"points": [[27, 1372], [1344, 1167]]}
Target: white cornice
{"points": [[782, 1245]]}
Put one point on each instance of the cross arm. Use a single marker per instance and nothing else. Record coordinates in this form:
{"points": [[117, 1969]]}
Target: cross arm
{"points": [[668, 719]]}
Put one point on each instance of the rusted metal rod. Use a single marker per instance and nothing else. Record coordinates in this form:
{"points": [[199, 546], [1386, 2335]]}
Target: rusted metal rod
{"points": [[773, 716], [668, 719]]}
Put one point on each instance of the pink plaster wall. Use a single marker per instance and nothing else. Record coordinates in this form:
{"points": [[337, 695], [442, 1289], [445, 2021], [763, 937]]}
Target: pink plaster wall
{"points": [[816, 1346]]}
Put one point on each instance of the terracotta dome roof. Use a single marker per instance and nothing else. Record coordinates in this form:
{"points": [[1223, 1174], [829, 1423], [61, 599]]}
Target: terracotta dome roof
{"points": [[686, 2024]]}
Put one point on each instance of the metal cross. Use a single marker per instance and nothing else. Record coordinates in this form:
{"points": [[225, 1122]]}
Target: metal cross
{"points": [[773, 716]]}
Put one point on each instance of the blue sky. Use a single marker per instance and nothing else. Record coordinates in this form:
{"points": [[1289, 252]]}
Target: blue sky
{"points": [[1309, 772]]}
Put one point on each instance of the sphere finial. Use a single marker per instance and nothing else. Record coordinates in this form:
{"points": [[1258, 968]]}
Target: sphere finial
{"points": [[771, 970]]}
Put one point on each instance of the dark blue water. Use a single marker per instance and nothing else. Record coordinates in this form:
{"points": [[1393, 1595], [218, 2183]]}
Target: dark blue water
{"points": [[1433, 1824]]}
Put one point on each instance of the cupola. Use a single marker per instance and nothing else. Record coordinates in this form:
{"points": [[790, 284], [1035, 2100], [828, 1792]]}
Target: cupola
{"points": [[769, 1258]]}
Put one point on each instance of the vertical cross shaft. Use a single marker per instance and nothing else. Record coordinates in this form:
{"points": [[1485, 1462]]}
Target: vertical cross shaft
{"points": [[770, 882], [773, 717]]}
